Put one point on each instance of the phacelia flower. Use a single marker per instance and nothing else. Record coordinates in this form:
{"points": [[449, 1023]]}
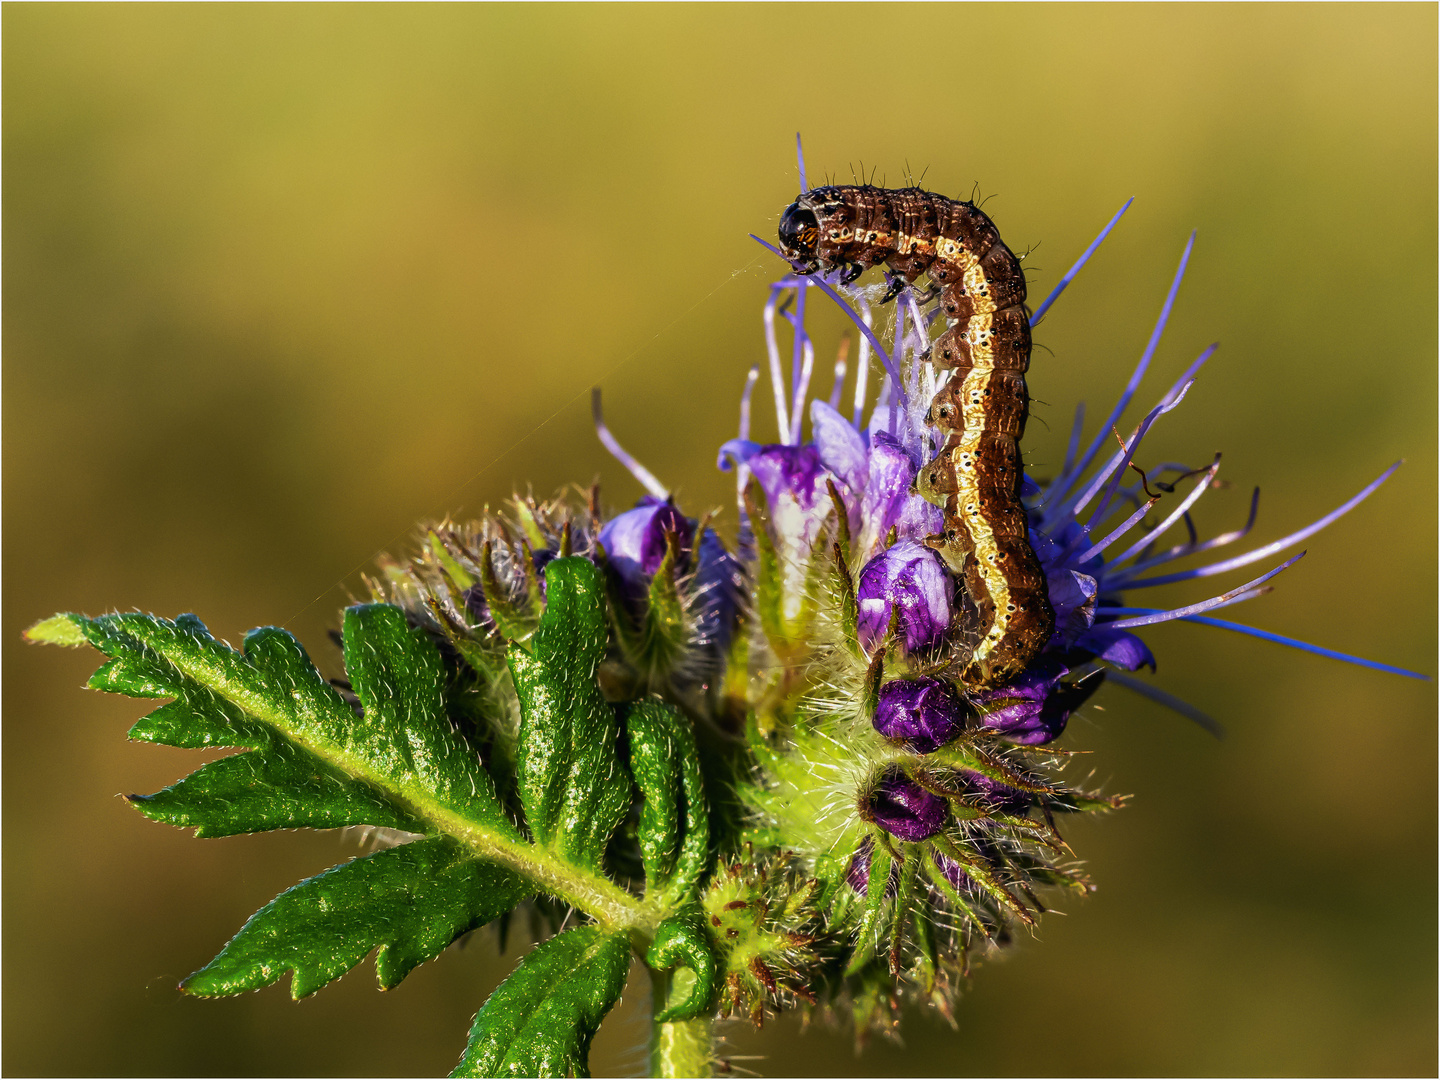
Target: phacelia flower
{"points": [[904, 809], [635, 542], [907, 578], [924, 712]]}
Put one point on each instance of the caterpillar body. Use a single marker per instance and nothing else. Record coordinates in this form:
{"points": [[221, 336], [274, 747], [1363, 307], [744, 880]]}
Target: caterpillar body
{"points": [[976, 477]]}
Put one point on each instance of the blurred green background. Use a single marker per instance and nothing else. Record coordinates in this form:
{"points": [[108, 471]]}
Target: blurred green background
{"points": [[282, 281]]}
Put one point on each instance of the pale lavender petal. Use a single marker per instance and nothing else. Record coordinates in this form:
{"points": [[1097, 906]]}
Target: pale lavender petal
{"points": [[841, 447], [1070, 274], [1223, 600], [647, 479]]}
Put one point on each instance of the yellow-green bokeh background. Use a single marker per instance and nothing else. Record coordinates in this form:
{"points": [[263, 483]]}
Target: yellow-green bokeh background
{"points": [[281, 281]]}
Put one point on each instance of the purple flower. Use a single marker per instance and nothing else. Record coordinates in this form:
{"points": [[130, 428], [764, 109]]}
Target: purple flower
{"points": [[924, 712], [716, 586], [994, 795], [877, 472], [635, 540], [793, 479], [907, 576], [904, 809], [1035, 707]]}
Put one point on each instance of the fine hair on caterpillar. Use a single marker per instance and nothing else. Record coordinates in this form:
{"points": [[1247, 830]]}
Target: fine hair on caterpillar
{"points": [[976, 476]]}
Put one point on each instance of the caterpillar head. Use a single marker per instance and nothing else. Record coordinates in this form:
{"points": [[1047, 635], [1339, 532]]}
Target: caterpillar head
{"points": [[800, 236]]}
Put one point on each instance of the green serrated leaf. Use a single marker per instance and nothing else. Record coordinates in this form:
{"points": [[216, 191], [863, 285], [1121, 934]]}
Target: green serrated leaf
{"points": [[540, 1020], [398, 676], [571, 783], [682, 942], [259, 791], [674, 830], [409, 902], [58, 630]]}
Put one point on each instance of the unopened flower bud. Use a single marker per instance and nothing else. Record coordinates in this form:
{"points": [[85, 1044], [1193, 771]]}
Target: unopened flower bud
{"points": [[1035, 707], [925, 712], [634, 541], [904, 809], [907, 576]]}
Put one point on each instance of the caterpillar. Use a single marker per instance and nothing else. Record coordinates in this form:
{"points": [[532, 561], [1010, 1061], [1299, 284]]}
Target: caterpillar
{"points": [[982, 408]]}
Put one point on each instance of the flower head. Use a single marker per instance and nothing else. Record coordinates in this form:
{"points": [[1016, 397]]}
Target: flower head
{"points": [[908, 583]]}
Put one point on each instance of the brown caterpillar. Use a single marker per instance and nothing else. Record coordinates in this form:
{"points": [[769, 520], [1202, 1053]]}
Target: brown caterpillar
{"points": [[976, 476]]}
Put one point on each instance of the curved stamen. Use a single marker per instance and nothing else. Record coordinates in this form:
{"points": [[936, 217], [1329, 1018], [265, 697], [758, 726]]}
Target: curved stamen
{"points": [[800, 160], [750, 381], [1116, 466], [864, 327], [1192, 547], [1124, 527], [862, 373], [1070, 274], [772, 347], [1150, 616], [1271, 548], [1140, 368], [1175, 515], [645, 476]]}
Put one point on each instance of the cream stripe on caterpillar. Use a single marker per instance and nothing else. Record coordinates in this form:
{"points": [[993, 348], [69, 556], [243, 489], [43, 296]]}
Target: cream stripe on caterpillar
{"points": [[976, 478]]}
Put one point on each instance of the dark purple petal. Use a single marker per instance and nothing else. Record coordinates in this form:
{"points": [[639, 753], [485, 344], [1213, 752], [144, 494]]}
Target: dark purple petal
{"points": [[911, 577], [634, 541], [1022, 710], [905, 810], [926, 713], [717, 586], [994, 795], [1118, 647]]}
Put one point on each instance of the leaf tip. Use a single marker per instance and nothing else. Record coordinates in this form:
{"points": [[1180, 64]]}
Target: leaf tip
{"points": [[63, 629]]}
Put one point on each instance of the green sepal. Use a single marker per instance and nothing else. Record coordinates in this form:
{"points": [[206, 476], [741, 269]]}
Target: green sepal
{"points": [[513, 622], [62, 630], [540, 1020], [769, 580], [875, 916], [674, 832], [844, 586], [570, 780], [904, 900], [408, 903], [842, 522], [682, 942]]}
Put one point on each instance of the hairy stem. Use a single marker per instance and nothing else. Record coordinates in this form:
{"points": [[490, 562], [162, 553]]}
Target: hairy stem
{"points": [[682, 1047]]}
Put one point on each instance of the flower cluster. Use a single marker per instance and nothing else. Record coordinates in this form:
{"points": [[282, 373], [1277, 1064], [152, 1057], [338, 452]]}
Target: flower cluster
{"points": [[912, 816]]}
